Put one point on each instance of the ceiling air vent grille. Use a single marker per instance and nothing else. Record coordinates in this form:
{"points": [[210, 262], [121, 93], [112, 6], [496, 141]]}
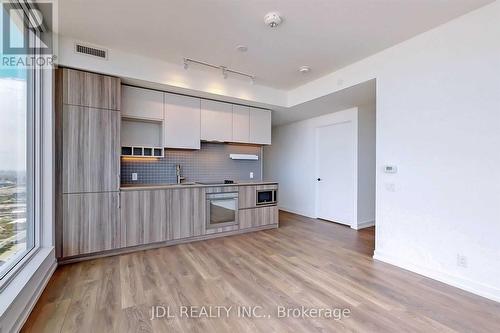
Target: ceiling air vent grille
{"points": [[91, 51]]}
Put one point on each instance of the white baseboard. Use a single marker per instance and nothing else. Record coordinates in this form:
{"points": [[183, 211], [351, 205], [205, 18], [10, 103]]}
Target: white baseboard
{"points": [[363, 225], [452, 280], [296, 212]]}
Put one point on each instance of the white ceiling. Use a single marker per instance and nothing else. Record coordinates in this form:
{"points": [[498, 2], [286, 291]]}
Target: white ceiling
{"points": [[358, 95], [324, 34]]}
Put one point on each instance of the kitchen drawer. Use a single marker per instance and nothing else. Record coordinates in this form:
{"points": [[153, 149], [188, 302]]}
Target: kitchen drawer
{"points": [[257, 217]]}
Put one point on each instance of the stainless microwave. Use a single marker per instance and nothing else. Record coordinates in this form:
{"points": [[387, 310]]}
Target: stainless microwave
{"points": [[266, 197]]}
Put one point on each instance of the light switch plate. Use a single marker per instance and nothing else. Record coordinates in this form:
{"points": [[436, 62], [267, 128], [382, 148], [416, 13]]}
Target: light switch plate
{"points": [[134, 176], [251, 175]]}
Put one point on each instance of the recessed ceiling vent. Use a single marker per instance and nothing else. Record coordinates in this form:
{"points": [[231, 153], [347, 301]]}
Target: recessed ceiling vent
{"points": [[91, 51]]}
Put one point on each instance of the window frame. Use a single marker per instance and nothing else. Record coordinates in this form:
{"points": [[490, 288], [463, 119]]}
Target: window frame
{"points": [[34, 132]]}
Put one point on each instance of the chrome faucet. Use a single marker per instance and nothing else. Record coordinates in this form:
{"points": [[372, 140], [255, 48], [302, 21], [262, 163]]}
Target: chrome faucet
{"points": [[178, 174]]}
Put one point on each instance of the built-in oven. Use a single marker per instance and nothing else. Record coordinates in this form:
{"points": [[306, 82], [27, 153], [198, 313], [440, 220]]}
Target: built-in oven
{"points": [[266, 197], [222, 209]]}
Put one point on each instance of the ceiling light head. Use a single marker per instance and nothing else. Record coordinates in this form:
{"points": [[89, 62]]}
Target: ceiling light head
{"points": [[186, 65], [273, 19], [242, 48], [224, 72], [304, 69]]}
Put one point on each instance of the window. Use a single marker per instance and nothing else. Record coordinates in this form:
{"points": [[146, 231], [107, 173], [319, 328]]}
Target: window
{"points": [[17, 160]]}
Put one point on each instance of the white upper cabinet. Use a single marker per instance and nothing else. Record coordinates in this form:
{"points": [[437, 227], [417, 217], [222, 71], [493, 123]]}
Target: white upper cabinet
{"points": [[260, 126], [182, 122], [241, 124], [185, 120], [216, 121], [142, 103]]}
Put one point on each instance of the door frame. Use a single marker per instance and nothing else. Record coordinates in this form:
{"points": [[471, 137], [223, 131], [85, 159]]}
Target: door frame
{"points": [[354, 120]]}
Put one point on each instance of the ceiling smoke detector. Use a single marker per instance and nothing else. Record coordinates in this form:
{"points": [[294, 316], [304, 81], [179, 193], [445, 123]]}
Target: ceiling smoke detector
{"points": [[273, 19], [304, 69]]}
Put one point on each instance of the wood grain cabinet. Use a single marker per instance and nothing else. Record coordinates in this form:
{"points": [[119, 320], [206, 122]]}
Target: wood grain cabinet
{"points": [[247, 194], [90, 89], [216, 121], [144, 217], [250, 215], [257, 217], [91, 223], [91, 149], [186, 213], [149, 216], [182, 122], [87, 162]]}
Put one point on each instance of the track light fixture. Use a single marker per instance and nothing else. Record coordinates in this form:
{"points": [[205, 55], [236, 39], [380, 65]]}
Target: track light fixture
{"points": [[224, 70]]}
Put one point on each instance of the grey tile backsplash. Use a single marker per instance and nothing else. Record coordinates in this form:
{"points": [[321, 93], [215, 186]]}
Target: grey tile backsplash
{"points": [[210, 163]]}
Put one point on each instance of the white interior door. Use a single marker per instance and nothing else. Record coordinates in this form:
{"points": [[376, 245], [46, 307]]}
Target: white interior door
{"points": [[336, 177]]}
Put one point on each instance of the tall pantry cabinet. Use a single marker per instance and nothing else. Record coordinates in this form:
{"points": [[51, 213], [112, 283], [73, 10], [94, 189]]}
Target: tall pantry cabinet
{"points": [[87, 163]]}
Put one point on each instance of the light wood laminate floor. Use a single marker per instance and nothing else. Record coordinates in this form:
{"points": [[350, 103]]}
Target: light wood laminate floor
{"points": [[305, 262]]}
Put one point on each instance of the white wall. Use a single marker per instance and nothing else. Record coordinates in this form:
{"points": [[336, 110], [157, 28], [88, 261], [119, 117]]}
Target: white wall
{"points": [[291, 161], [438, 120], [366, 165]]}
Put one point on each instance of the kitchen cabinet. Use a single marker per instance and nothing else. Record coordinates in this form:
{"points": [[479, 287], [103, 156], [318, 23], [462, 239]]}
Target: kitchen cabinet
{"points": [[144, 217], [90, 149], [241, 124], [87, 162], [182, 122], [186, 213], [247, 194], [153, 216], [257, 217], [216, 121], [142, 103], [89, 89], [260, 126], [149, 216], [91, 223]]}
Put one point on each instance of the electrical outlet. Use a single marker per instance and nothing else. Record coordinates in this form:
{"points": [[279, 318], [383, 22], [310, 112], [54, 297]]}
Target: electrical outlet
{"points": [[134, 176], [251, 175], [461, 260]]}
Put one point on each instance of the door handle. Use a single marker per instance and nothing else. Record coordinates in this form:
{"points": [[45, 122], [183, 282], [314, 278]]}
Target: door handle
{"points": [[319, 179]]}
